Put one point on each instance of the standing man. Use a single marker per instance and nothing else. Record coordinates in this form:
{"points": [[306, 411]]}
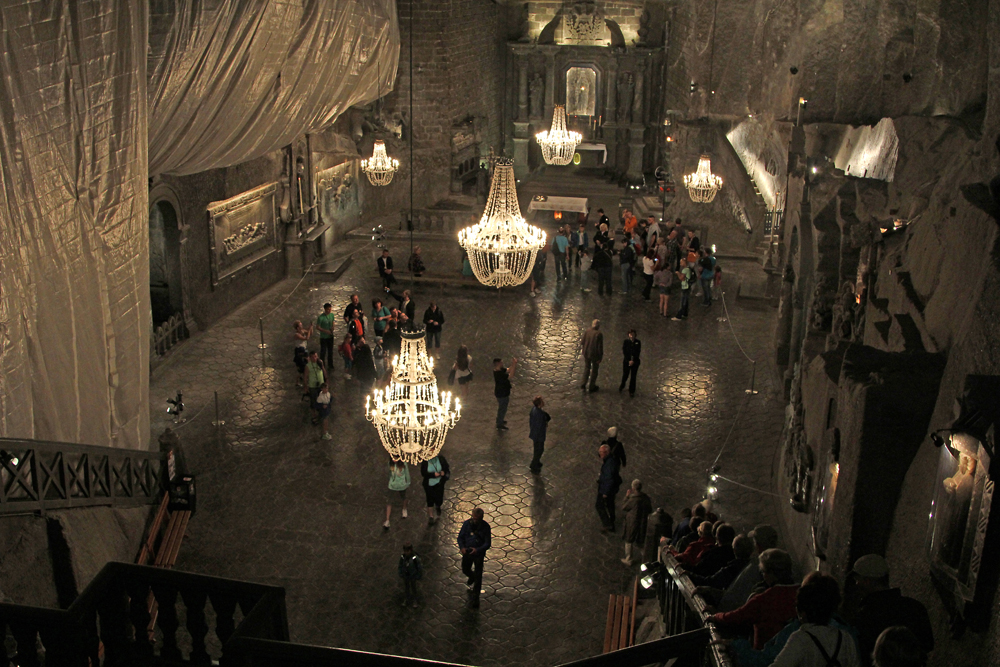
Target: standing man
{"points": [[602, 219], [501, 378], [473, 543], [408, 308], [607, 488], [385, 273], [631, 349], [592, 346], [559, 247], [653, 232], [637, 508], [583, 244], [627, 259], [433, 319], [707, 276], [573, 258], [325, 325], [602, 264], [352, 305], [539, 424]]}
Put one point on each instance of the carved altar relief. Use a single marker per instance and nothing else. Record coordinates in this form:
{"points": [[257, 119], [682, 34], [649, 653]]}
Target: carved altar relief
{"points": [[242, 230], [583, 23], [581, 91]]}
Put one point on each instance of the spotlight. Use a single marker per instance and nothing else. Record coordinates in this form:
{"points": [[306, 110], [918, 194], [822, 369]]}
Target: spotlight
{"points": [[651, 566], [650, 579], [9, 458], [713, 248], [815, 170], [713, 492], [694, 87], [803, 101]]}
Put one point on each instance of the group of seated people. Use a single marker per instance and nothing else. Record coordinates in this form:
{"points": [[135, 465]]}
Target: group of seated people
{"points": [[767, 617]]}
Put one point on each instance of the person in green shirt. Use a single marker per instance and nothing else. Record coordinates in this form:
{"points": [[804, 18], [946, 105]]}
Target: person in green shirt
{"points": [[315, 377], [686, 277], [325, 325]]}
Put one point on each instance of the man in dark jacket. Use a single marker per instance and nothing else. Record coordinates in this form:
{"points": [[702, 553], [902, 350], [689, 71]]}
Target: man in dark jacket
{"points": [[603, 264], [882, 607], [474, 540], [411, 570], [607, 488], [637, 508], [538, 421], [631, 352], [617, 447], [714, 558], [433, 319], [712, 587]]}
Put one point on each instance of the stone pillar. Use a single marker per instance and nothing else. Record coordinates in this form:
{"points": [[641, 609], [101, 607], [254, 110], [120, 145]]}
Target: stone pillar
{"points": [[638, 117], [550, 84], [610, 126], [611, 86], [522, 89], [636, 146], [521, 139]]}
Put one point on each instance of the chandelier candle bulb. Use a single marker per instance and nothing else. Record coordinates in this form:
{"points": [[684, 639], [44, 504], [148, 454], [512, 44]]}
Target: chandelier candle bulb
{"points": [[558, 144], [703, 185]]}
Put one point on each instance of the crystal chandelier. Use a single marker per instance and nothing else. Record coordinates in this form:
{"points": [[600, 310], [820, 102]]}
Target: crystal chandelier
{"points": [[703, 185], [558, 144], [502, 246], [380, 167], [412, 419]]}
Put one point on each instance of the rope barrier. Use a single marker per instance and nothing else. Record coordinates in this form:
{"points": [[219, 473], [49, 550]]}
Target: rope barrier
{"points": [[730, 320], [749, 488]]}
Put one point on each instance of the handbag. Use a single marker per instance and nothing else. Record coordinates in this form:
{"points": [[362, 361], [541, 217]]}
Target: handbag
{"points": [[451, 376]]}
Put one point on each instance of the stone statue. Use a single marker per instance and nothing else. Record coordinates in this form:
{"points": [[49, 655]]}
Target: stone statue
{"points": [[536, 95], [626, 86]]}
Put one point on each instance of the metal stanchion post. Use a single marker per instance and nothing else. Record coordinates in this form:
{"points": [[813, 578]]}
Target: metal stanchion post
{"points": [[753, 378], [263, 345], [218, 422]]}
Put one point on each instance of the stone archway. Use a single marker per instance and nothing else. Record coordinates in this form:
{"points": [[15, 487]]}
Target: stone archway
{"points": [[169, 291]]}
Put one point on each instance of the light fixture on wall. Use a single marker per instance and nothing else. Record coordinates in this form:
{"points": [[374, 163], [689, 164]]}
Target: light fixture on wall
{"points": [[380, 168], [703, 185], [502, 246], [411, 417], [558, 144]]}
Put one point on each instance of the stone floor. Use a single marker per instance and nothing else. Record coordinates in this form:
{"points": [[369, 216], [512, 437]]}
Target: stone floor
{"points": [[278, 505]]}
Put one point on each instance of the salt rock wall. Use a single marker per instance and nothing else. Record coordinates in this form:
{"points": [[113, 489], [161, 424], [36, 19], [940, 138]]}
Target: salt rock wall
{"points": [[74, 295], [855, 61]]}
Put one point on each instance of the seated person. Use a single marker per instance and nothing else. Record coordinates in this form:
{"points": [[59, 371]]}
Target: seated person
{"points": [[818, 640], [767, 612], [711, 587], [694, 551], [764, 537], [416, 264], [715, 557], [698, 515], [898, 647], [683, 527]]}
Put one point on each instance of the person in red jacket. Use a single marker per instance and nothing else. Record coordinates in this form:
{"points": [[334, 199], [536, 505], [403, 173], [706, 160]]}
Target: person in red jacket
{"points": [[694, 551], [769, 611]]}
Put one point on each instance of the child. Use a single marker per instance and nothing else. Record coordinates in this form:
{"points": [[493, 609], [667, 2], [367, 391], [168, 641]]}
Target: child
{"points": [[347, 352], [323, 400], [410, 571]]}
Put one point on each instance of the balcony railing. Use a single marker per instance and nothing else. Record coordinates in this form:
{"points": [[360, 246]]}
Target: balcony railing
{"points": [[38, 476], [684, 612], [109, 625]]}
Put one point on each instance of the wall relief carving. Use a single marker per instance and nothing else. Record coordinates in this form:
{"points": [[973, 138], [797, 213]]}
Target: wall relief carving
{"points": [[583, 22], [243, 230]]}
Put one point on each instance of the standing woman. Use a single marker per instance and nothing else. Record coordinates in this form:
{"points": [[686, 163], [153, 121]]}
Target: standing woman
{"points": [[463, 369], [631, 349], [435, 473], [664, 281], [380, 317], [648, 264], [301, 337], [399, 482]]}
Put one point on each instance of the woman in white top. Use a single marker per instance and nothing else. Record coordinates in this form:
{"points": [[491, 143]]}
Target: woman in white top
{"points": [[301, 337], [818, 643], [463, 369]]}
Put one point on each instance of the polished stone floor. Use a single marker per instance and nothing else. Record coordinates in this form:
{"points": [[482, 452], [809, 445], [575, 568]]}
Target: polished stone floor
{"points": [[278, 505]]}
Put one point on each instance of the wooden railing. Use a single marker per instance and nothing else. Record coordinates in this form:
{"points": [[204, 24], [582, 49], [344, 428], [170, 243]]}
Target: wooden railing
{"points": [[167, 335], [38, 476], [439, 221]]}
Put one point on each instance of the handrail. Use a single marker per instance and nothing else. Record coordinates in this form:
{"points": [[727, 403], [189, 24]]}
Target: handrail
{"points": [[686, 589], [40, 475], [256, 652]]}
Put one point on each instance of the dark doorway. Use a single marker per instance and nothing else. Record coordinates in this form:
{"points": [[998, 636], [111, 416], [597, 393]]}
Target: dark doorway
{"points": [[164, 262]]}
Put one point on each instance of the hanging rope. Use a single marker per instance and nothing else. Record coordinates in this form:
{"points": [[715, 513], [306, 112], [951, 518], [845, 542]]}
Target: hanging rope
{"points": [[748, 488]]}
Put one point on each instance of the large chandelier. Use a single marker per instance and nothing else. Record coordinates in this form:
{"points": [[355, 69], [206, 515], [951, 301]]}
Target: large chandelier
{"points": [[502, 246], [380, 167], [558, 144], [412, 419], [703, 185]]}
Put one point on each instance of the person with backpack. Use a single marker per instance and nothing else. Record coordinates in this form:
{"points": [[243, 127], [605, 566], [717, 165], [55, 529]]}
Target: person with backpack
{"points": [[399, 482], [686, 278], [627, 259], [818, 642], [707, 277]]}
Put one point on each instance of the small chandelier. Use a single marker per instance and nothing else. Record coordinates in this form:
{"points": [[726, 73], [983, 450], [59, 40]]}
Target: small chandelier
{"points": [[412, 419], [502, 246], [558, 144], [703, 185], [380, 167]]}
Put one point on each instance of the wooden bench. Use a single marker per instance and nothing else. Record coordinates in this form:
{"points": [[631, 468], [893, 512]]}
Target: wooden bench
{"points": [[165, 553], [619, 632]]}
